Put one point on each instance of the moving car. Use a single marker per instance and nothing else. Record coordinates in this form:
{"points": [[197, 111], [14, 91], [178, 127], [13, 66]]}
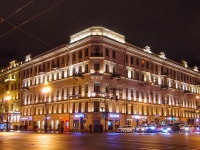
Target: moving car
{"points": [[189, 128], [196, 128], [151, 129], [167, 128], [126, 128], [140, 128]]}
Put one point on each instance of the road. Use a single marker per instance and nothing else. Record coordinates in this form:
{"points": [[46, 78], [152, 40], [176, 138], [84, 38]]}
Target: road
{"points": [[108, 141]]}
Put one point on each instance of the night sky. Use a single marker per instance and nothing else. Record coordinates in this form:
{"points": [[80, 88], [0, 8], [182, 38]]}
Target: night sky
{"points": [[36, 26]]}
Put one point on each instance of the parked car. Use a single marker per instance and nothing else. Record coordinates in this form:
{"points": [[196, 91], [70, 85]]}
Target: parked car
{"points": [[126, 128]]}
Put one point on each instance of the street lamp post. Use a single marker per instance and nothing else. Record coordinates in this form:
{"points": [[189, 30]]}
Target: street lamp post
{"points": [[7, 98], [46, 90]]}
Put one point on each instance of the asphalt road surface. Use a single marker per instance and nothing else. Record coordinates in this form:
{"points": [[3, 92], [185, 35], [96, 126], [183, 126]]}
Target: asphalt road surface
{"points": [[108, 141]]}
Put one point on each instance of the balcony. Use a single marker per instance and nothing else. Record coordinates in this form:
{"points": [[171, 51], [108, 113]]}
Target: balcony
{"points": [[164, 86], [55, 66], [10, 79], [116, 76], [164, 74], [41, 71], [78, 75], [25, 88], [187, 92], [96, 54], [198, 84]]}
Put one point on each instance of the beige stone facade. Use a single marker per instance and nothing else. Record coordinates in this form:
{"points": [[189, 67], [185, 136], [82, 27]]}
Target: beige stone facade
{"points": [[10, 87], [97, 73]]}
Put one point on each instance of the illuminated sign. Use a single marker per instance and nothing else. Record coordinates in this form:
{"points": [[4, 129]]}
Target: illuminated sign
{"points": [[29, 118], [114, 115], [47, 117], [78, 115], [24, 118], [139, 117], [171, 118]]}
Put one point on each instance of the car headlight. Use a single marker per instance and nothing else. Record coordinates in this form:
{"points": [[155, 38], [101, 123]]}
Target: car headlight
{"points": [[168, 128], [152, 128]]}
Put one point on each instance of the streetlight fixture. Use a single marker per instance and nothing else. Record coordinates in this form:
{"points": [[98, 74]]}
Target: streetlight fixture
{"points": [[46, 90], [6, 99]]}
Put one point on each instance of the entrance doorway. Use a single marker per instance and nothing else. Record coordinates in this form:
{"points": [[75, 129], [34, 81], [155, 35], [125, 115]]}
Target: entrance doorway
{"points": [[96, 125]]}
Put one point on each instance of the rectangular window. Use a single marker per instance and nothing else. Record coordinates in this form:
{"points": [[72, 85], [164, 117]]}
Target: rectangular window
{"points": [[97, 87], [79, 89], [73, 91], [142, 63], [137, 94], [74, 56], [113, 54], [86, 107], [86, 88], [96, 106], [86, 68], [62, 92], [131, 74], [80, 69], [147, 64], [79, 107], [131, 92], [86, 52], [107, 52], [137, 62], [126, 58], [131, 60], [107, 88], [80, 54], [107, 68], [96, 66]]}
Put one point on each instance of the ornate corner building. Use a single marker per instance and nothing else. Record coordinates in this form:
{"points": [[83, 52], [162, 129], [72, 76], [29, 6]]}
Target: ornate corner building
{"points": [[98, 78]]}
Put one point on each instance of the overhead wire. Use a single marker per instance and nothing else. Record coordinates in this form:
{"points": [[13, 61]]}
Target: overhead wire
{"points": [[18, 10], [30, 35], [16, 27]]}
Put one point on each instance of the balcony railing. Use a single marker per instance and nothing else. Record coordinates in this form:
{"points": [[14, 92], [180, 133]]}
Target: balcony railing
{"points": [[78, 75], [164, 86], [116, 76], [96, 54], [55, 66], [164, 74]]}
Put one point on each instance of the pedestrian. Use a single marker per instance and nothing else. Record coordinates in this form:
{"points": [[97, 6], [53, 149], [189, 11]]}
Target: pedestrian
{"points": [[61, 128], [90, 126], [101, 128], [81, 128]]}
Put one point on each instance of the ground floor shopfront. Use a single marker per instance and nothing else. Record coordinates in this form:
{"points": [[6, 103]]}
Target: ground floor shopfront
{"points": [[79, 121]]}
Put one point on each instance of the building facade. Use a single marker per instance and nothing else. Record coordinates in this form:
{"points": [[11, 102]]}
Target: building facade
{"points": [[99, 78], [10, 95]]}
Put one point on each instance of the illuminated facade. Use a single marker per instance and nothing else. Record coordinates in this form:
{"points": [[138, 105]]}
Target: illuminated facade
{"points": [[10, 87], [99, 73]]}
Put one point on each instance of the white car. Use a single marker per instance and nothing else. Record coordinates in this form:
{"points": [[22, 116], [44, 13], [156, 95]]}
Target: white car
{"points": [[188, 128], [140, 128], [126, 128]]}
